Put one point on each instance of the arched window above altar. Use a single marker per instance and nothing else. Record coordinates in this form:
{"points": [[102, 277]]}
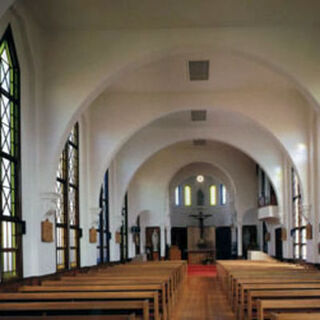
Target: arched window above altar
{"points": [[213, 195], [177, 196], [187, 196], [223, 194]]}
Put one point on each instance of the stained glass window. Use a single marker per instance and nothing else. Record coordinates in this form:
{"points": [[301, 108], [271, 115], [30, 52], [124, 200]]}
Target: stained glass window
{"points": [[103, 251], [177, 196], [187, 196], [299, 221], [213, 195], [124, 230], [67, 213], [10, 231], [223, 194]]}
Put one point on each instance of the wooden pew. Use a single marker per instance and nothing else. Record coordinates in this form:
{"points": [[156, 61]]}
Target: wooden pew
{"points": [[166, 301], [80, 281], [138, 277], [264, 306], [157, 281], [247, 287], [273, 294], [85, 297], [254, 277], [295, 316], [238, 300], [237, 277], [105, 288], [77, 317], [42, 308]]}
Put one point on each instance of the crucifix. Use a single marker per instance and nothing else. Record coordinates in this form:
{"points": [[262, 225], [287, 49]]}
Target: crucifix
{"points": [[201, 217]]}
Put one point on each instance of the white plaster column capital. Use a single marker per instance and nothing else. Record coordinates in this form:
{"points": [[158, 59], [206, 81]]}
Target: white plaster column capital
{"points": [[49, 203]]}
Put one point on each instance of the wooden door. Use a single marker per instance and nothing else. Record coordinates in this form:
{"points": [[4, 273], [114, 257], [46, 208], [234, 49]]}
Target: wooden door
{"points": [[278, 243], [223, 243], [179, 238]]}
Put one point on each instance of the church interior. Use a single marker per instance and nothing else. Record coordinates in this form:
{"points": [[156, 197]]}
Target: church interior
{"points": [[160, 160]]}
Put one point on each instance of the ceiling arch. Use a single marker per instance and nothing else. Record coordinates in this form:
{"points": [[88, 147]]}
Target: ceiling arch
{"points": [[135, 57]]}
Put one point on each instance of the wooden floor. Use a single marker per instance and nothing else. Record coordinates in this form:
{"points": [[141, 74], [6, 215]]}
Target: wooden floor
{"points": [[202, 300]]}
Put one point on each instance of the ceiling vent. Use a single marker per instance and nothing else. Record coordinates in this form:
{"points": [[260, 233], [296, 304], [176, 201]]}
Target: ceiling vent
{"points": [[199, 142], [199, 115], [199, 70]]}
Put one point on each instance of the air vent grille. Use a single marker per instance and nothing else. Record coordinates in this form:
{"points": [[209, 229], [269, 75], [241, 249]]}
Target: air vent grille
{"points": [[199, 142], [199, 115], [199, 70]]}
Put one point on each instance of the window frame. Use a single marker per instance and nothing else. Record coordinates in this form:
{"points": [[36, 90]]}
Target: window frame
{"points": [[177, 196], [185, 202], [103, 230], [213, 203], [18, 226], [222, 197], [124, 231], [299, 222], [66, 226]]}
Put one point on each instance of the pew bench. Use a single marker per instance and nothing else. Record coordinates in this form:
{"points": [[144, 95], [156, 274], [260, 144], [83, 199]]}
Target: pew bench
{"points": [[34, 309], [154, 289], [138, 278], [75, 281], [239, 295], [295, 316], [84, 297], [270, 278], [296, 305], [247, 287], [253, 296], [78, 317]]}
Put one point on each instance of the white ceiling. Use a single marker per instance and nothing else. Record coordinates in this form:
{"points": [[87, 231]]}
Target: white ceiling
{"points": [[227, 72], [4, 5], [215, 118], [114, 14]]}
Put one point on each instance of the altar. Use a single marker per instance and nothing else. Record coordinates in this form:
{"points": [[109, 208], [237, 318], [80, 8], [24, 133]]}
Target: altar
{"points": [[201, 239], [201, 256], [201, 245]]}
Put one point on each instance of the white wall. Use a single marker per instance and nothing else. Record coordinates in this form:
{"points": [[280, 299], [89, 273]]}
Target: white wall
{"points": [[222, 215], [149, 188], [65, 73]]}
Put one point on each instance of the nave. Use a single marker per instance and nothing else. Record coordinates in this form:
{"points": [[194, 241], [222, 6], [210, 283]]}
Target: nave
{"points": [[202, 299]]}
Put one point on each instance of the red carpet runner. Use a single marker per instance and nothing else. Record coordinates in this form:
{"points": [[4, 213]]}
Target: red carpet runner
{"points": [[200, 270]]}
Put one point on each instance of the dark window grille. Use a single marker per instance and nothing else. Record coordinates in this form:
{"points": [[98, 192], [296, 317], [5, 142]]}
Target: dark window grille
{"points": [[124, 231], [299, 222], [103, 248], [67, 215], [10, 198]]}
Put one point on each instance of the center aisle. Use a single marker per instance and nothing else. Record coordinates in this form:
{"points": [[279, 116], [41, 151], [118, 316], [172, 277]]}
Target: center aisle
{"points": [[202, 299]]}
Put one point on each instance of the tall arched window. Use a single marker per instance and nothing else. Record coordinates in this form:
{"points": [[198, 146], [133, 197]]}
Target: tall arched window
{"points": [[103, 227], [10, 216], [213, 195], [67, 216], [187, 196], [299, 221], [177, 196], [223, 194], [124, 230]]}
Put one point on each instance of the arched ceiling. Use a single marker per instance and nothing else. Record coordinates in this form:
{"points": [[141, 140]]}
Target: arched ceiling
{"points": [[227, 71], [4, 5], [115, 14], [225, 133]]}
